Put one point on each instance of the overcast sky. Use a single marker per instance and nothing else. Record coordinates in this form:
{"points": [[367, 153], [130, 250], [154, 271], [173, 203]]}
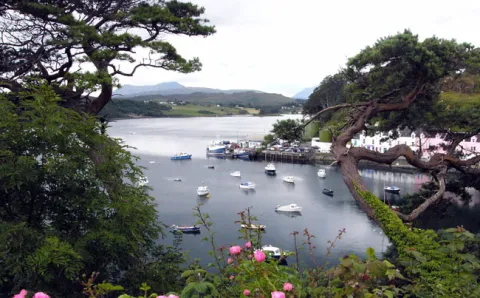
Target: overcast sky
{"points": [[284, 46]]}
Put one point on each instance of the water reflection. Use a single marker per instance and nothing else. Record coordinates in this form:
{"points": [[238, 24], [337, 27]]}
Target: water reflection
{"points": [[289, 213]]}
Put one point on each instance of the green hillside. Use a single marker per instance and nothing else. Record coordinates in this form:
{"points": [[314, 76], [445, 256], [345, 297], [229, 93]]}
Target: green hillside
{"points": [[247, 99]]}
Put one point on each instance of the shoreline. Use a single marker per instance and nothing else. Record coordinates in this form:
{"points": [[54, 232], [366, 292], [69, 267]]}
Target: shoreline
{"points": [[206, 116]]}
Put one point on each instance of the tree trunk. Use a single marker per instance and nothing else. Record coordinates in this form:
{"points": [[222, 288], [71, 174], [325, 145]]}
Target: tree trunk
{"points": [[428, 202], [349, 169]]}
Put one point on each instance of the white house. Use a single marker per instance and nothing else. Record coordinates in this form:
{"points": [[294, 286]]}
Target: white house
{"points": [[415, 140]]}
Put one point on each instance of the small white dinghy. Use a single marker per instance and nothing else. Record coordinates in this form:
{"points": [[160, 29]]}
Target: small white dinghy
{"points": [[289, 208], [321, 173], [142, 181], [236, 174], [203, 190], [254, 227], [247, 185], [289, 179]]}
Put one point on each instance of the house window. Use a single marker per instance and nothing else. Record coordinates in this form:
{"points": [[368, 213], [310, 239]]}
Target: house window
{"points": [[413, 143], [384, 150], [363, 141], [389, 142], [472, 140]]}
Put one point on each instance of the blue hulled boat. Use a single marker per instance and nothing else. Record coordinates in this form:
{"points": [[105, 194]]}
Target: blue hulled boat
{"points": [[180, 156], [217, 147]]}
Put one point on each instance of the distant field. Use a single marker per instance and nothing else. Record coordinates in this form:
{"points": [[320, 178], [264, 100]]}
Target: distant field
{"points": [[251, 111], [191, 110]]}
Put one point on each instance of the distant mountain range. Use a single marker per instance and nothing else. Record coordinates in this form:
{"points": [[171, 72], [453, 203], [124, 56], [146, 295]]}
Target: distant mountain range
{"points": [[169, 88], [304, 94]]}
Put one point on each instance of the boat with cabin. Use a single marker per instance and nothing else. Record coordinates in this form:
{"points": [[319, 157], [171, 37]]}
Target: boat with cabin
{"points": [[181, 156], [272, 251], [203, 190], [247, 185], [322, 173], [185, 229], [288, 208], [270, 169], [217, 147], [289, 179]]}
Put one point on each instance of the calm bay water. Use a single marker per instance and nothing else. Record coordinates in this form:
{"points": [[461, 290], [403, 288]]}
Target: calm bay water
{"points": [[157, 139]]}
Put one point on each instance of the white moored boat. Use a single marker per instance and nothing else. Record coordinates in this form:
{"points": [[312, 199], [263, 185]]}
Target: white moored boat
{"points": [[247, 185], [392, 189], [203, 190], [321, 173], [236, 174], [270, 169], [142, 181], [254, 227], [289, 179], [289, 208], [272, 251]]}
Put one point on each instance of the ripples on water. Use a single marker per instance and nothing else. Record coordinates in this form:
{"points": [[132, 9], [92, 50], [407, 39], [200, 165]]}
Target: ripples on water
{"points": [[157, 139]]}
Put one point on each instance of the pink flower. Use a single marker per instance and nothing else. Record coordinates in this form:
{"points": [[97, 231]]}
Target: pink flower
{"points": [[259, 256], [246, 292], [172, 296], [232, 277], [278, 295], [22, 294], [248, 244], [235, 250], [40, 295], [287, 286], [230, 260]]}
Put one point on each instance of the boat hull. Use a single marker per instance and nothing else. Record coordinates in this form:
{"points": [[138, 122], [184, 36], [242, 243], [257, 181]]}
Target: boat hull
{"points": [[181, 157], [270, 172], [216, 150], [202, 192], [393, 190]]}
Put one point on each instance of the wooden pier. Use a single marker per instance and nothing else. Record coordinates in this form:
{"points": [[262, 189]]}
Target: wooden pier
{"points": [[278, 156]]}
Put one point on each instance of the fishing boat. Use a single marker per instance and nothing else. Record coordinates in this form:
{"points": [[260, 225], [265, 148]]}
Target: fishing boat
{"points": [[321, 173], [392, 189], [288, 208], [185, 229], [289, 179], [142, 181], [236, 174], [177, 179], [203, 190], [254, 227], [181, 156], [327, 191], [211, 167], [239, 153], [270, 169], [217, 147], [247, 185]]}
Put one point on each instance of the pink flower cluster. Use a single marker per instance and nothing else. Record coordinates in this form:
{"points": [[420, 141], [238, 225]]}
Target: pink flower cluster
{"points": [[24, 293], [169, 296]]}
